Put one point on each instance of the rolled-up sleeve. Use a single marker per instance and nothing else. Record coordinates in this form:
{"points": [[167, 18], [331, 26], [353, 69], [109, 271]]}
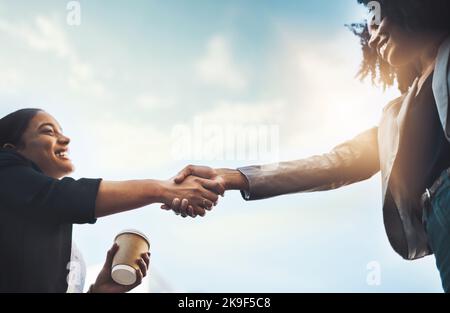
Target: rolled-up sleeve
{"points": [[32, 194]]}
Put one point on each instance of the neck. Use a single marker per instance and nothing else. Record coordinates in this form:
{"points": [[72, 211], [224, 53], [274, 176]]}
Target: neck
{"points": [[427, 58]]}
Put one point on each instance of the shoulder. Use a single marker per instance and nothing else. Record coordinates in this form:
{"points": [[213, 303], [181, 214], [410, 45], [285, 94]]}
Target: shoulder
{"points": [[441, 78], [444, 49], [442, 60], [9, 158]]}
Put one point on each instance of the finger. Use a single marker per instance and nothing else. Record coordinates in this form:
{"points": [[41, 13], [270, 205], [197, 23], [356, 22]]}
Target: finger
{"points": [[199, 171], [176, 205], [214, 186], [207, 205], [183, 207], [142, 267], [181, 176], [146, 258], [209, 195], [165, 207], [191, 212], [138, 278], [110, 255], [200, 211]]}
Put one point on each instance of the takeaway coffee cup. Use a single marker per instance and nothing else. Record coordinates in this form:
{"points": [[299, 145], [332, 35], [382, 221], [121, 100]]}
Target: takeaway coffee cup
{"points": [[132, 244]]}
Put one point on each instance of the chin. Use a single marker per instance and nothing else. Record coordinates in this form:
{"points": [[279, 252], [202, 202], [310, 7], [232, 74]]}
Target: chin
{"points": [[396, 59], [70, 170], [66, 170]]}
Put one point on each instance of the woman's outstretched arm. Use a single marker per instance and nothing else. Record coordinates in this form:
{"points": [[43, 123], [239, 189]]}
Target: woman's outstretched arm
{"points": [[120, 196]]}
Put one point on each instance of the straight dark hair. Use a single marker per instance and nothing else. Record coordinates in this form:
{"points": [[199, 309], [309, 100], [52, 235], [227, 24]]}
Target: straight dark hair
{"points": [[13, 125]]}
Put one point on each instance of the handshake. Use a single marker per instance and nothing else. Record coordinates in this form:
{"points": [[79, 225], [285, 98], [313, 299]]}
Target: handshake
{"points": [[196, 189]]}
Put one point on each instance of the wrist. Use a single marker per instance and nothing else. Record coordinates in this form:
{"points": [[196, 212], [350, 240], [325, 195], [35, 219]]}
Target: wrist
{"points": [[162, 190], [233, 179]]}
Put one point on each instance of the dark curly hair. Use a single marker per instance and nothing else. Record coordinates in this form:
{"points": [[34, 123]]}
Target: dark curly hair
{"points": [[412, 15]]}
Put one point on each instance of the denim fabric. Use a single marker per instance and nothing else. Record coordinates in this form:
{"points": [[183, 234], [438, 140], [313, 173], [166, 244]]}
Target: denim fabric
{"points": [[438, 229]]}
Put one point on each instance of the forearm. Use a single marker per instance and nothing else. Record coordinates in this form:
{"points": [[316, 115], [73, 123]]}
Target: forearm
{"points": [[115, 197], [350, 162]]}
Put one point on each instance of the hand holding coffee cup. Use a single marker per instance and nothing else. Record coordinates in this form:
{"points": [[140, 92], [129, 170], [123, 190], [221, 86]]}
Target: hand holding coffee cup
{"points": [[132, 245], [106, 284]]}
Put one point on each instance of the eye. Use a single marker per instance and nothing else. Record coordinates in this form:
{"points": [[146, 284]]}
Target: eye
{"points": [[48, 131]]}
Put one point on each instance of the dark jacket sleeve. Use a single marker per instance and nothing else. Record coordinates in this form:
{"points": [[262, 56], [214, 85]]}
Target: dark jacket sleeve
{"points": [[349, 162], [31, 194]]}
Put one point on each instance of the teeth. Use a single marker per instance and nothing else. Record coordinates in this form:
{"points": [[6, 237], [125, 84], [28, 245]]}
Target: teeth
{"points": [[62, 154]]}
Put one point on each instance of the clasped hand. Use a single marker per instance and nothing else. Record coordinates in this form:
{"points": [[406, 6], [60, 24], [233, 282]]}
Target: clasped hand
{"points": [[193, 191]]}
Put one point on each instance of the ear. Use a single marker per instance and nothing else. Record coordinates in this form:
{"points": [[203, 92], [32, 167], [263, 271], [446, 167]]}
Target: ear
{"points": [[9, 146]]}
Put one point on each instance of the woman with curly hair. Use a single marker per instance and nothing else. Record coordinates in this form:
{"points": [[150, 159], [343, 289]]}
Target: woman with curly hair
{"points": [[410, 47]]}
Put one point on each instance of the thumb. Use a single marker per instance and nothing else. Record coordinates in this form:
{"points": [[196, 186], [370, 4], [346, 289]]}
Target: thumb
{"points": [[181, 176], [110, 255]]}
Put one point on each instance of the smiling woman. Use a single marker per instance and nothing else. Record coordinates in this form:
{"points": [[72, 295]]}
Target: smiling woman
{"points": [[39, 205], [45, 143], [412, 17]]}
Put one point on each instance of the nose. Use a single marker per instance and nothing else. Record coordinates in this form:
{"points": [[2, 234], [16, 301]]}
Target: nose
{"points": [[379, 32], [63, 140]]}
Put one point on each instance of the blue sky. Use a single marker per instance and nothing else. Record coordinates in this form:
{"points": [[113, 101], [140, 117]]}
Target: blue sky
{"points": [[122, 81]]}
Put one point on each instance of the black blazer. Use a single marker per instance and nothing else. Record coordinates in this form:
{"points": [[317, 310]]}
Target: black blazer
{"points": [[380, 148], [36, 217]]}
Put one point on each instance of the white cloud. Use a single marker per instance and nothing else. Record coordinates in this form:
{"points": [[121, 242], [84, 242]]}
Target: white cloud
{"points": [[43, 35], [82, 79], [240, 112], [327, 104], [10, 80], [124, 144], [230, 131], [149, 101], [217, 67], [46, 35]]}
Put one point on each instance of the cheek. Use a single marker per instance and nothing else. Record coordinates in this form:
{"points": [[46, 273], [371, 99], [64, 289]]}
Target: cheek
{"points": [[40, 151], [403, 50], [43, 147], [400, 56]]}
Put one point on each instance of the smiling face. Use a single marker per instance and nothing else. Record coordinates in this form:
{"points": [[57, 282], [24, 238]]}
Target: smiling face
{"points": [[44, 144], [399, 46], [396, 45]]}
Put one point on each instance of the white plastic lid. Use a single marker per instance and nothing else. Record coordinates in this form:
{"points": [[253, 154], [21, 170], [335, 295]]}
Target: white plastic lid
{"points": [[136, 232], [124, 274]]}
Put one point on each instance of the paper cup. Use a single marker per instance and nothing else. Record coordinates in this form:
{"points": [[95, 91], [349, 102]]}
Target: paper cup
{"points": [[132, 244]]}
